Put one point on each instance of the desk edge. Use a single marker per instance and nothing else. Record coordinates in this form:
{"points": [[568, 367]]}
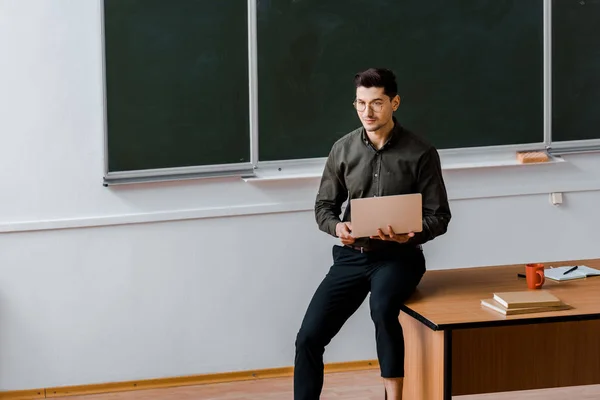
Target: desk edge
{"points": [[495, 323], [407, 310]]}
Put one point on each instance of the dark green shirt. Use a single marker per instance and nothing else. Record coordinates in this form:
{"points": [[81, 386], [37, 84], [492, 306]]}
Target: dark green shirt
{"points": [[405, 164]]}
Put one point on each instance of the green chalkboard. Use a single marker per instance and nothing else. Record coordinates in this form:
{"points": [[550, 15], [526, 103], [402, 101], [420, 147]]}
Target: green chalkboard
{"points": [[575, 70], [470, 72], [176, 76]]}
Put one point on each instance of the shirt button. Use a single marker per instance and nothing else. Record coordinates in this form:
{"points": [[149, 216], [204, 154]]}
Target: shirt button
{"points": [[375, 175]]}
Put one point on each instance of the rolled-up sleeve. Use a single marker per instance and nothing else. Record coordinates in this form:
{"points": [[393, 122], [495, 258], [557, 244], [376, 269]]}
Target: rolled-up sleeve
{"points": [[330, 197]]}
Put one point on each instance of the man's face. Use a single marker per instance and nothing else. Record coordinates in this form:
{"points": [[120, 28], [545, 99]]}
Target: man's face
{"points": [[378, 107]]}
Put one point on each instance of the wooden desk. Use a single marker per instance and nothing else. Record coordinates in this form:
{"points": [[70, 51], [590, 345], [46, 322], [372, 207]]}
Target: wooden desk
{"points": [[454, 346]]}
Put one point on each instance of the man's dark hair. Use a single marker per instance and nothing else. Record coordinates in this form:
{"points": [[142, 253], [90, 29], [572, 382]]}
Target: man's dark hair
{"points": [[378, 77]]}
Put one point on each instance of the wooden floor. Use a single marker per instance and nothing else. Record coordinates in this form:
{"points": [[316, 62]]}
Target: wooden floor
{"points": [[361, 385]]}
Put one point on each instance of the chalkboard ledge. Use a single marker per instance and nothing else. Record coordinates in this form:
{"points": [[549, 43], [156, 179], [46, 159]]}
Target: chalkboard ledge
{"points": [[575, 147], [282, 177], [450, 162], [177, 174], [493, 163]]}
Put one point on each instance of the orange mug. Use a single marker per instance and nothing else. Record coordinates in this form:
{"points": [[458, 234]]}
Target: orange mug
{"points": [[534, 273]]}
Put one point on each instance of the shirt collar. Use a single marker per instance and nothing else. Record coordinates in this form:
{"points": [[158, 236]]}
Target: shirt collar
{"points": [[394, 134]]}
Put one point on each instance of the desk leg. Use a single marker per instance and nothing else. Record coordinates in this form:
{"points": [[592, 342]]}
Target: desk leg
{"points": [[426, 361], [448, 365]]}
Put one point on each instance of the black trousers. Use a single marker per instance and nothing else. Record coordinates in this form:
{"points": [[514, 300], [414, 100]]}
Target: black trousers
{"points": [[390, 276]]}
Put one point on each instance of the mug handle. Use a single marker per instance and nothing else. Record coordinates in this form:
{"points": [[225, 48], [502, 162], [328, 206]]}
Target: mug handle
{"points": [[542, 278]]}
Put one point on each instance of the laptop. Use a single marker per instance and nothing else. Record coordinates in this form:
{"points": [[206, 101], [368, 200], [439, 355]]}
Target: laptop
{"points": [[403, 212]]}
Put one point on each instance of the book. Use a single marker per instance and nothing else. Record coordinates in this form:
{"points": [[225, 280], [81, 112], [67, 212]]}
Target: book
{"points": [[527, 298], [494, 305], [558, 273]]}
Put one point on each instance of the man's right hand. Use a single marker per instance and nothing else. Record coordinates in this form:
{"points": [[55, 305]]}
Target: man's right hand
{"points": [[343, 231]]}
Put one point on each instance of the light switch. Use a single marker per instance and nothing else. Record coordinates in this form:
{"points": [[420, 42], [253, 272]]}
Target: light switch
{"points": [[556, 198]]}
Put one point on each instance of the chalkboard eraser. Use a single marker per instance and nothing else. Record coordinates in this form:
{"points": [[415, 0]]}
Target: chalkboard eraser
{"points": [[526, 157]]}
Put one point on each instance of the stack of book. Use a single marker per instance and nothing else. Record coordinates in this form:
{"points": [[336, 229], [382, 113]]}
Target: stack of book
{"points": [[523, 302]]}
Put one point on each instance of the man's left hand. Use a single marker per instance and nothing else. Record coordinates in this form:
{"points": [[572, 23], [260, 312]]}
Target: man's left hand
{"points": [[400, 238]]}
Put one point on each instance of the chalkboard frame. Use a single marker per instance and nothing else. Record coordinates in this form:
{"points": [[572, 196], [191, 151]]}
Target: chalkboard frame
{"points": [[559, 147], [247, 170], [243, 169]]}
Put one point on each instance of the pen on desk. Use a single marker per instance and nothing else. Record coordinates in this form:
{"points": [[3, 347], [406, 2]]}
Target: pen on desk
{"points": [[570, 270], [521, 276]]}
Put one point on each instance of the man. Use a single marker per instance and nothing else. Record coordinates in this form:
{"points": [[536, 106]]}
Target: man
{"points": [[381, 158]]}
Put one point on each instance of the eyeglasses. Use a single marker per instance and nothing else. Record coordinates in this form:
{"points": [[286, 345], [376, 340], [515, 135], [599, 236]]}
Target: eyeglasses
{"points": [[361, 106]]}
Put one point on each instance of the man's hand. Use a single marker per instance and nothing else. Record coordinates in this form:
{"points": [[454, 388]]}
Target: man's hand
{"points": [[343, 231], [400, 238]]}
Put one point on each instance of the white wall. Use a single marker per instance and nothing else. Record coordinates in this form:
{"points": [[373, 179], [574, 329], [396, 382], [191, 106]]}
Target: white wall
{"points": [[198, 295]]}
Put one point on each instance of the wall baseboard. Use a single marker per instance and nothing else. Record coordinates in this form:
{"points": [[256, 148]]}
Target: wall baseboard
{"points": [[177, 381], [23, 394]]}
